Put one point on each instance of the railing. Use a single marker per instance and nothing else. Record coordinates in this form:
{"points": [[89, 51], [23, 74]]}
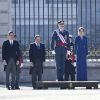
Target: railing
{"points": [[49, 55], [31, 17]]}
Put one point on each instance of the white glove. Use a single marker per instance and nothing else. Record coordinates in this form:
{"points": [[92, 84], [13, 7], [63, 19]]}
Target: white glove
{"points": [[75, 57], [53, 52], [21, 65], [31, 64], [74, 64], [17, 63], [4, 62], [68, 52]]}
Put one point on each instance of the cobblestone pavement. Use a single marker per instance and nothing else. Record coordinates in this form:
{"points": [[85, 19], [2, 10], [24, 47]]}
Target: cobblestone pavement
{"points": [[27, 93]]}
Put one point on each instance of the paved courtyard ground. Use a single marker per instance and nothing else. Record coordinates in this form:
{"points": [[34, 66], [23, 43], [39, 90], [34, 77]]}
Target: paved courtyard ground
{"points": [[27, 93]]}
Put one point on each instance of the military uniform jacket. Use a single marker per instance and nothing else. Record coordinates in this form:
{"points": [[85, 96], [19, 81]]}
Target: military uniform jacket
{"points": [[60, 49]]}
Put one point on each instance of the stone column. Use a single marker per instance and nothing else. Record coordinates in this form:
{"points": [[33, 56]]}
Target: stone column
{"points": [[5, 26]]}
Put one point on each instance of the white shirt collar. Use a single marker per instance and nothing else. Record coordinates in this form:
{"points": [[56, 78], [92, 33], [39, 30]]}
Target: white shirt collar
{"points": [[37, 44], [11, 41]]}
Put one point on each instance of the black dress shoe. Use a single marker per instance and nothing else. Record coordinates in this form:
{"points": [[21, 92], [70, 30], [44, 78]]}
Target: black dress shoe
{"points": [[12, 88], [17, 88], [39, 88], [34, 88], [8, 88]]}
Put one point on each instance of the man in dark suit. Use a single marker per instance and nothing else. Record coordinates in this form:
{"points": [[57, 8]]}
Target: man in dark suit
{"points": [[37, 57], [10, 56], [18, 68]]}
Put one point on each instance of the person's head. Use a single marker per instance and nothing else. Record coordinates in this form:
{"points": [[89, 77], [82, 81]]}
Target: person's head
{"points": [[61, 25], [37, 39], [11, 35], [81, 31]]}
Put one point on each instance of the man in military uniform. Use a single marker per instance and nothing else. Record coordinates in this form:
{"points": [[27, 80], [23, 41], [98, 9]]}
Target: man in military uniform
{"points": [[59, 46]]}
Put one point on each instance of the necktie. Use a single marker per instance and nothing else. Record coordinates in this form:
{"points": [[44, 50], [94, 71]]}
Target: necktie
{"points": [[38, 45]]}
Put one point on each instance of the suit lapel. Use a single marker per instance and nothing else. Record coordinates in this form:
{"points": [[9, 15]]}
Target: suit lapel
{"points": [[9, 43], [40, 45], [36, 45]]}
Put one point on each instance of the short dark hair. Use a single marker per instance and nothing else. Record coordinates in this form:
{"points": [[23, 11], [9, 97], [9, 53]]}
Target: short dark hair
{"points": [[10, 33], [36, 36], [61, 22]]}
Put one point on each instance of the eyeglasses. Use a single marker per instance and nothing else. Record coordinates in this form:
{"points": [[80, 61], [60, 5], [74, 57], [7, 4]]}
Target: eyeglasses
{"points": [[81, 30], [61, 25], [11, 35]]}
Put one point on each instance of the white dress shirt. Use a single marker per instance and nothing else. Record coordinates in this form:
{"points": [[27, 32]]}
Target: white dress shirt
{"points": [[11, 42]]}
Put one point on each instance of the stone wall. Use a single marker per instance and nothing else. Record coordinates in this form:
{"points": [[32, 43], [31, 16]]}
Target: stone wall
{"points": [[50, 72]]}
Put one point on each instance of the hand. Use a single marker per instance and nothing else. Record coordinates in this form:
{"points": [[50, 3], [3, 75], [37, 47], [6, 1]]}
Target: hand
{"points": [[74, 64], [31, 64], [68, 52], [75, 57], [53, 52], [4, 62], [21, 65], [17, 63]]}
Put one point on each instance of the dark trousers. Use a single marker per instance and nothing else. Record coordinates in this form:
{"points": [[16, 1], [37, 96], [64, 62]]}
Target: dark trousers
{"points": [[69, 70], [37, 72], [17, 76], [60, 63], [11, 68], [72, 76]]}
